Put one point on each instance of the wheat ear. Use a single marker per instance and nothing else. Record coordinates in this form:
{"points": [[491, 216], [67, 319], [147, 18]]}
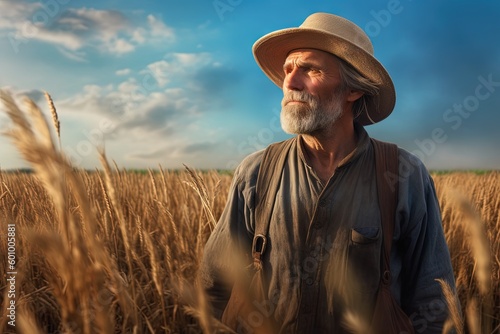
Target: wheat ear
{"points": [[55, 117]]}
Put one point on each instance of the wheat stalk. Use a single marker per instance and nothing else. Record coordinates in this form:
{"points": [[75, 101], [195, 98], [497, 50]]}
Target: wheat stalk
{"points": [[453, 306], [354, 323], [473, 321], [199, 186], [55, 117]]}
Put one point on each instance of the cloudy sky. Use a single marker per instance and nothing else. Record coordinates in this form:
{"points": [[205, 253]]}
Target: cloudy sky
{"points": [[173, 82]]}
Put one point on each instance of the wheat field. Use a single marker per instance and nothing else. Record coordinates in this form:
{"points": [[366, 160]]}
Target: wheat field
{"points": [[116, 251]]}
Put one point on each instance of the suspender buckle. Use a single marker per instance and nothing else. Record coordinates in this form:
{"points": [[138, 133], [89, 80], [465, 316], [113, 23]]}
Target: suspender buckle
{"points": [[259, 245]]}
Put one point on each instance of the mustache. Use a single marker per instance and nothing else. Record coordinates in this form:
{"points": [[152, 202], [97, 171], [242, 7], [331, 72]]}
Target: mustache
{"points": [[297, 96]]}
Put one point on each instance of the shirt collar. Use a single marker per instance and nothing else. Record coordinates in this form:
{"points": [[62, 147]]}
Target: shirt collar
{"points": [[361, 147]]}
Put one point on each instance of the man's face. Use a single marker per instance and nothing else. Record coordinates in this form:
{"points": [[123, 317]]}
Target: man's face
{"points": [[313, 98]]}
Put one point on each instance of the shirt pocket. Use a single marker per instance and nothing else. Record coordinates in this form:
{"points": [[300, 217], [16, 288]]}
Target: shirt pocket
{"points": [[363, 263], [364, 235]]}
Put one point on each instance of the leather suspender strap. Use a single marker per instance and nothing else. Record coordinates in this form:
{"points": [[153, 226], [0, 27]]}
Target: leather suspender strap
{"points": [[388, 316], [266, 189], [387, 171], [252, 289]]}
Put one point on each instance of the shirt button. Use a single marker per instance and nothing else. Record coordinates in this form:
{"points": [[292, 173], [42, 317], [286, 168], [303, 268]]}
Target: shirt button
{"points": [[309, 281]]}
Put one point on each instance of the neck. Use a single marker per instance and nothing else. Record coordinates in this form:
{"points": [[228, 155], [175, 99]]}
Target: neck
{"points": [[326, 149]]}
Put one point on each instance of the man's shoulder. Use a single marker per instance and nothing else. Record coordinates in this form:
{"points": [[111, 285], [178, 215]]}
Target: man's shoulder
{"points": [[248, 169], [252, 161], [409, 164], [408, 160], [412, 170]]}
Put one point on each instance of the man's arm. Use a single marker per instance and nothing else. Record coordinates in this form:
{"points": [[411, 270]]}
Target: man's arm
{"points": [[230, 242], [425, 255]]}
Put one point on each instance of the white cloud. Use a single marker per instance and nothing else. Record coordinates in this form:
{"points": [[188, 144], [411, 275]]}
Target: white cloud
{"points": [[154, 31], [66, 39], [177, 65], [77, 29], [108, 23], [129, 86], [120, 46], [159, 29], [145, 113], [162, 71], [78, 56], [125, 71], [15, 11], [75, 23], [139, 35], [140, 105], [193, 60]]}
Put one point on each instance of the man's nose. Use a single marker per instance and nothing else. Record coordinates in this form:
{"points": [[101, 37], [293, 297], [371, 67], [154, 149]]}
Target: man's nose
{"points": [[293, 80]]}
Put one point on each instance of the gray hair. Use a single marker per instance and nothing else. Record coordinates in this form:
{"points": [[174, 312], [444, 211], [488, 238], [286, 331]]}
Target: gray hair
{"points": [[352, 79]]}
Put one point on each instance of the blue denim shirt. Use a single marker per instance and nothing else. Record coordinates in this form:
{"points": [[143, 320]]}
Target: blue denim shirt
{"points": [[323, 255]]}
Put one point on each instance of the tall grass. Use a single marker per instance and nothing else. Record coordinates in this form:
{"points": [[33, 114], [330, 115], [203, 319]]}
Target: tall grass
{"points": [[111, 251], [470, 205]]}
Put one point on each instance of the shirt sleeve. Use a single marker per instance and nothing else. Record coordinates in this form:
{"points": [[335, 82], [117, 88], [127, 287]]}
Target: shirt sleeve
{"points": [[424, 253], [230, 242]]}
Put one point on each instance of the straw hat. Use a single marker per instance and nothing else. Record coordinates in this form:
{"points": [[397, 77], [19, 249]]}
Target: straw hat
{"points": [[335, 35]]}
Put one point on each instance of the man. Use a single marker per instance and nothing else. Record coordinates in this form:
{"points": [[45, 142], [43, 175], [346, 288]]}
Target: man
{"points": [[322, 261]]}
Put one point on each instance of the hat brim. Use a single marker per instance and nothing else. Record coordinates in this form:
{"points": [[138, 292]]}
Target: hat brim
{"points": [[271, 50]]}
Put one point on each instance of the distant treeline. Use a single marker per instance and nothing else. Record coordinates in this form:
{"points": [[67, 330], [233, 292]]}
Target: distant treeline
{"points": [[136, 171], [230, 172]]}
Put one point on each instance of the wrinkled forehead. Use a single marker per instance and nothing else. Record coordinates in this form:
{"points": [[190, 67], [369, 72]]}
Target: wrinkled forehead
{"points": [[310, 56]]}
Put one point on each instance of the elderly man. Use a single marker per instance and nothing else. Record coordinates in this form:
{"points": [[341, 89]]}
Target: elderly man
{"points": [[322, 250]]}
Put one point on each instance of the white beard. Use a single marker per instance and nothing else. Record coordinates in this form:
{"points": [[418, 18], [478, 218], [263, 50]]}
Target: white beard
{"points": [[311, 116]]}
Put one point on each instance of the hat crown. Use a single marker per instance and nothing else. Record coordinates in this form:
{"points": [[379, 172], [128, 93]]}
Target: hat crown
{"points": [[333, 24]]}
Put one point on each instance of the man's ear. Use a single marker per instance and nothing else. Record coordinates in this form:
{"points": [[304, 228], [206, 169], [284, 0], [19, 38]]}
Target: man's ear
{"points": [[353, 95]]}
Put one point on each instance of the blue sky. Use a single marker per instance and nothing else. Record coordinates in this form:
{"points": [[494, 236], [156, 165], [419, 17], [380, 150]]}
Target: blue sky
{"points": [[173, 82]]}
